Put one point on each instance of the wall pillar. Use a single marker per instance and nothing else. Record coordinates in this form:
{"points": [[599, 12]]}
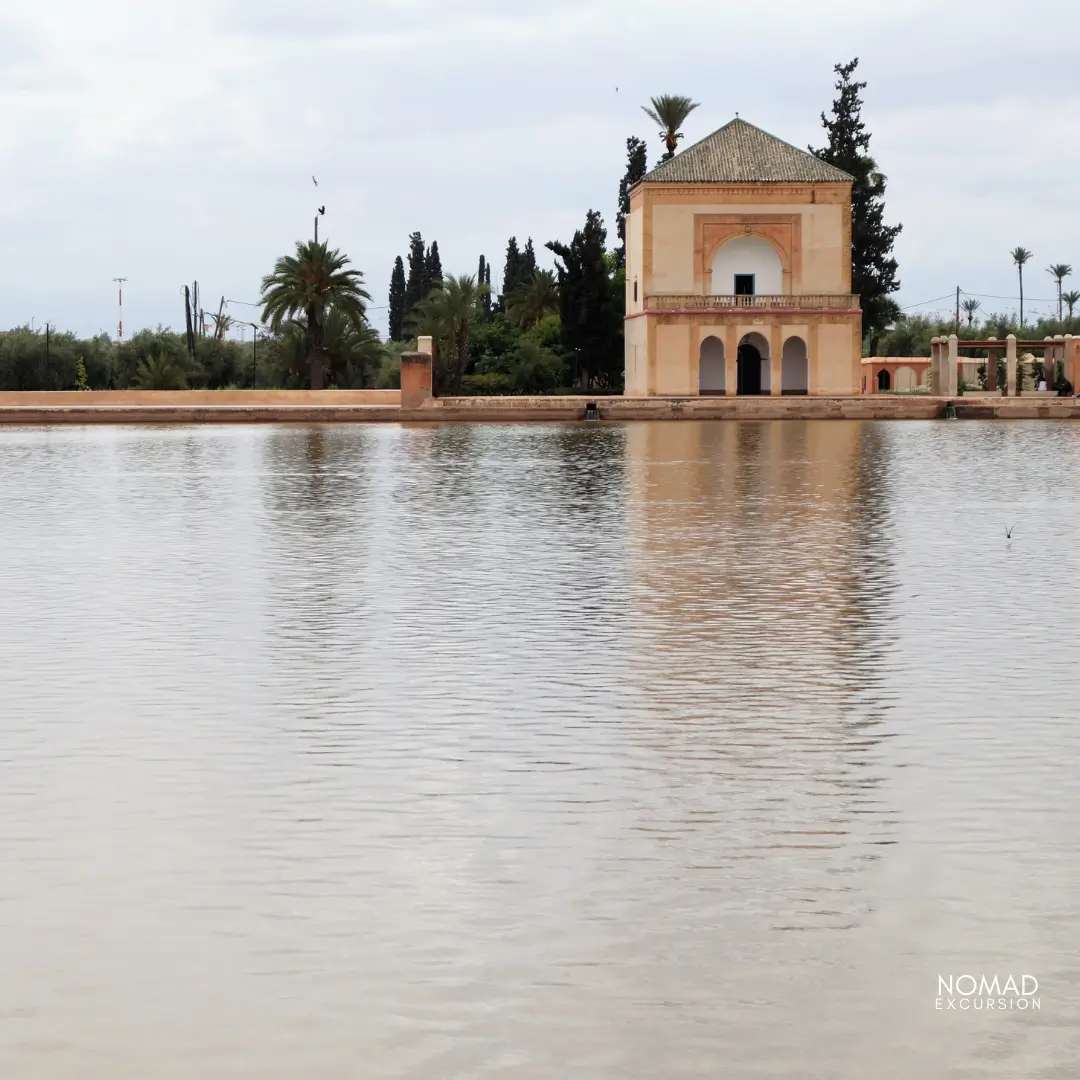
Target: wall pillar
{"points": [[1072, 356], [935, 366], [776, 360], [731, 360], [991, 369], [1059, 355], [1010, 365], [954, 365], [416, 384], [813, 377], [693, 361]]}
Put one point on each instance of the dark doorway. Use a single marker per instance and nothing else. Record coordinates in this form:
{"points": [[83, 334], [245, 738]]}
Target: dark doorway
{"points": [[749, 370], [884, 380], [744, 284]]}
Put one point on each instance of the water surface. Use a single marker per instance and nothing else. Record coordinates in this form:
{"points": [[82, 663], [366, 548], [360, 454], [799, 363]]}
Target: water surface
{"points": [[654, 750]]}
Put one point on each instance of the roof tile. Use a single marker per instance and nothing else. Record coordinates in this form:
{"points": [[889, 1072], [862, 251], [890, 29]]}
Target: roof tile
{"points": [[742, 153]]}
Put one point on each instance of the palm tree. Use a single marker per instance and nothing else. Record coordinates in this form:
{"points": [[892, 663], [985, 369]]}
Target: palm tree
{"points": [[1059, 272], [1020, 256], [159, 371], [528, 304], [970, 306], [447, 314], [309, 284], [222, 325], [1071, 300], [670, 112]]}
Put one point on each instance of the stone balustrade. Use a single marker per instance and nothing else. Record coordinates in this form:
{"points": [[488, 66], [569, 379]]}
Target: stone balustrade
{"points": [[758, 301]]}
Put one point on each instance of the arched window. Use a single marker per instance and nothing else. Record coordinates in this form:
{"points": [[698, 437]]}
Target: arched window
{"points": [[884, 380]]}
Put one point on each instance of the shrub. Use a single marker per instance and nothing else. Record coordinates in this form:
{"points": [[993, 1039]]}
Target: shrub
{"points": [[489, 384]]}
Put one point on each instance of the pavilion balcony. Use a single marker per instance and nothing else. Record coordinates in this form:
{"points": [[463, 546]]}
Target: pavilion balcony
{"points": [[758, 301]]}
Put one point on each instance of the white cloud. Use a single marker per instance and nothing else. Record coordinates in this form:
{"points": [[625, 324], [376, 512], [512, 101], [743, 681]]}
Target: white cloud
{"points": [[170, 141]]}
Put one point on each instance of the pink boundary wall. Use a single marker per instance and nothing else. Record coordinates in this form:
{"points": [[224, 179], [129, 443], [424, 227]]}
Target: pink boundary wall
{"points": [[199, 398]]}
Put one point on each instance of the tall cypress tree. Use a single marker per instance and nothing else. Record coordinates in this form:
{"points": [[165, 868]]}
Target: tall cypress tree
{"points": [[527, 266], [511, 268], [414, 287], [637, 165], [397, 300], [433, 268], [590, 309], [873, 268], [483, 277]]}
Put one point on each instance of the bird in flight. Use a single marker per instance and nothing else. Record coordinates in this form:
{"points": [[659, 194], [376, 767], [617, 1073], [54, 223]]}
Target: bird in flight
{"points": [[322, 209], [1008, 531], [314, 181]]}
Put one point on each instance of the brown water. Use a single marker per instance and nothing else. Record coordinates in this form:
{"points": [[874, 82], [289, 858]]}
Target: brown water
{"points": [[650, 751]]}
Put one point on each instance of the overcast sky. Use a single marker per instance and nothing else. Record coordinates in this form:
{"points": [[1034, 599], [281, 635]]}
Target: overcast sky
{"points": [[166, 142]]}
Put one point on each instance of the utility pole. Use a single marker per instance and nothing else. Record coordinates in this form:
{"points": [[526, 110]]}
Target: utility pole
{"points": [[254, 357], [120, 300], [187, 321], [958, 309]]}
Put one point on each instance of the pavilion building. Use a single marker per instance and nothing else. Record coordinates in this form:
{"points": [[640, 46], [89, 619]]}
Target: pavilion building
{"points": [[738, 273]]}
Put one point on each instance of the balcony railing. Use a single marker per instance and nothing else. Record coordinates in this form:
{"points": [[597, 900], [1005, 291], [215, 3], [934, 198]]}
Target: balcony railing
{"points": [[761, 301]]}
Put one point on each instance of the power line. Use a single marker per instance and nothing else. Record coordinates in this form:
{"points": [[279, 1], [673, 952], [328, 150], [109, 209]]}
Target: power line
{"points": [[947, 296], [985, 296]]}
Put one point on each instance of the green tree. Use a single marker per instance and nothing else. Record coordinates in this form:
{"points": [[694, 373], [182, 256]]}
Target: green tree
{"points": [[448, 315], [1071, 299], [414, 287], [309, 284], [1059, 272], [483, 277], [669, 113], [873, 268], [637, 165], [432, 268], [590, 311], [971, 306], [511, 267], [528, 304], [1021, 257], [527, 266], [397, 300]]}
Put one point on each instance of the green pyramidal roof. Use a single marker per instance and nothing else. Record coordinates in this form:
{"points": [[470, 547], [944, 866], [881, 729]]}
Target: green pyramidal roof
{"points": [[742, 153]]}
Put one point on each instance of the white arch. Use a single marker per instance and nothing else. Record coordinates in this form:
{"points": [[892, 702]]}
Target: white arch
{"points": [[711, 366], [747, 255], [795, 367]]}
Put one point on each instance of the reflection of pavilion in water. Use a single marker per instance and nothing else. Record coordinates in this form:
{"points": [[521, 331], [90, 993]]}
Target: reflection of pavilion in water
{"points": [[756, 553]]}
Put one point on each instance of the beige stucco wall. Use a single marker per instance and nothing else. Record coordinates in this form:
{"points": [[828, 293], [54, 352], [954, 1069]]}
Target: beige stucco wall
{"points": [[634, 240], [676, 367], [673, 234], [832, 349], [839, 368], [636, 367], [673, 256]]}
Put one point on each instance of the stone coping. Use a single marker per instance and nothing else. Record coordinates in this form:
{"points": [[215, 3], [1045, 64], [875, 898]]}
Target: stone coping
{"points": [[569, 408]]}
